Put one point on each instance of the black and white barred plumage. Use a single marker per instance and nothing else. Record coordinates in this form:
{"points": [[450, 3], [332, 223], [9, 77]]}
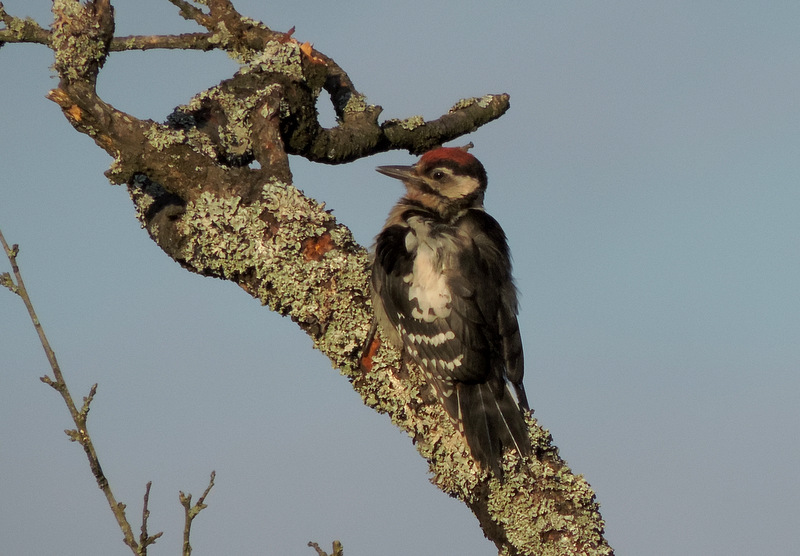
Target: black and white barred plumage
{"points": [[444, 294]]}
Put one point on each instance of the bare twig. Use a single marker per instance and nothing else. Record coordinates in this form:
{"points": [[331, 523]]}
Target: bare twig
{"points": [[338, 550], [146, 540], [79, 416], [191, 512], [191, 12]]}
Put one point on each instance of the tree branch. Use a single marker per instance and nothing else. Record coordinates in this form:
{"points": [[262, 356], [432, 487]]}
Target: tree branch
{"points": [[81, 433], [21, 30], [145, 539], [190, 12], [337, 549], [190, 512], [185, 41], [202, 202]]}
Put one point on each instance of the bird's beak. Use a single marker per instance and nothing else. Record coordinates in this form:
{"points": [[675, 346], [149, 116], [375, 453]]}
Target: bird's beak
{"points": [[404, 173]]}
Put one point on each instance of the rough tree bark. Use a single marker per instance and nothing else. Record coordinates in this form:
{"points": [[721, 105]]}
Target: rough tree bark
{"points": [[213, 187]]}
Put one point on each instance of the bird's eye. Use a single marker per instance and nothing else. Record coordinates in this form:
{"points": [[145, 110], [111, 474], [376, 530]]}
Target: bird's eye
{"points": [[437, 175]]}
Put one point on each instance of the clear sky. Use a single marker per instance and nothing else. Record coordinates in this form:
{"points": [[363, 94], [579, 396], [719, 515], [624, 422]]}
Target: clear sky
{"points": [[647, 177]]}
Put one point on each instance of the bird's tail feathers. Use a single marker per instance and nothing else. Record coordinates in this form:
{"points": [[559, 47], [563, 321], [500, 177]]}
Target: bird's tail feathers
{"points": [[493, 423]]}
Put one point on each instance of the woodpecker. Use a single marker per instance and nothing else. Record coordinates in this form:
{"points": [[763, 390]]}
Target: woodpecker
{"points": [[444, 294]]}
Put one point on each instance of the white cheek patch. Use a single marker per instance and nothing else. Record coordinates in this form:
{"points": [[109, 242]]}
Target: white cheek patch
{"points": [[462, 187]]}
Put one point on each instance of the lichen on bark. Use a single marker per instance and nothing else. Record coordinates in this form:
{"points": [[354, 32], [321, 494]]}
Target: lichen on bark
{"points": [[213, 187]]}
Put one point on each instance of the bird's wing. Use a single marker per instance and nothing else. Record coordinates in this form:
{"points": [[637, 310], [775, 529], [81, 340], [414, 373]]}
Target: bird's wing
{"points": [[456, 318], [475, 337]]}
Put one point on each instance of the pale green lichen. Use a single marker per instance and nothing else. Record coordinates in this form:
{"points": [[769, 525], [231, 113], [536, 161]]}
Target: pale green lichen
{"points": [[221, 36], [68, 8], [162, 137], [116, 169], [143, 194], [276, 57], [19, 26], [355, 103], [385, 392], [408, 123], [483, 102], [76, 50], [264, 239], [234, 132], [549, 510], [546, 510], [129, 44]]}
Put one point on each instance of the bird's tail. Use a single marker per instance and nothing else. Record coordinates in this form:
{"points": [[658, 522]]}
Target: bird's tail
{"points": [[493, 422]]}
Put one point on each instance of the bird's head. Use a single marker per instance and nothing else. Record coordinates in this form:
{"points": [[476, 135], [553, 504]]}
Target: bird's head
{"points": [[444, 179]]}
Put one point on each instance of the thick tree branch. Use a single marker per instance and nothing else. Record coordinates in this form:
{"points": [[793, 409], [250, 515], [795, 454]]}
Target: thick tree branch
{"points": [[198, 193]]}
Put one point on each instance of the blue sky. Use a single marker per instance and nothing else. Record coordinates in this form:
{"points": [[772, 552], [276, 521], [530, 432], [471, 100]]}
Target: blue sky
{"points": [[647, 177]]}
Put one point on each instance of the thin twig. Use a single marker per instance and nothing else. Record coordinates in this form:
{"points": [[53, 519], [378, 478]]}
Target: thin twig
{"points": [[80, 434], [146, 540], [338, 550], [190, 512], [191, 12]]}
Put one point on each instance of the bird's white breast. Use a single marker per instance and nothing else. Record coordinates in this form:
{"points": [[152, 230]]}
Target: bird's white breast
{"points": [[427, 280]]}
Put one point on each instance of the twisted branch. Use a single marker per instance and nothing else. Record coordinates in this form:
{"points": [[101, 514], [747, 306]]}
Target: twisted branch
{"points": [[205, 203]]}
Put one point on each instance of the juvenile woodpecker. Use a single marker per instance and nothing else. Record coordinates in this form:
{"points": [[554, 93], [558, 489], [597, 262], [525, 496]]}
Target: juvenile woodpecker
{"points": [[444, 294]]}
